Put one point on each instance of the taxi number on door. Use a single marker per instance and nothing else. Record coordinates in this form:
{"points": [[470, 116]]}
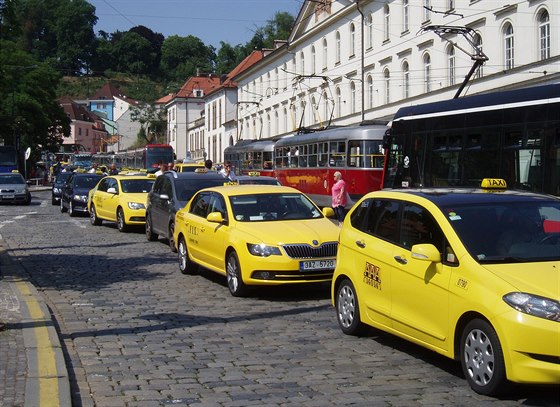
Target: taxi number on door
{"points": [[309, 265]]}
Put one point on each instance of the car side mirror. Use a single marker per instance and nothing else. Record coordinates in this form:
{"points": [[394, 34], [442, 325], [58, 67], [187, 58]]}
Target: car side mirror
{"points": [[215, 217], [112, 190], [426, 252], [328, 212]]}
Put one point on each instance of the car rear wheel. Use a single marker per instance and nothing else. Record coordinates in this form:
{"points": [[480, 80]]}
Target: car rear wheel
{"points": [[186, 265], [348, 309], [62, 208], [236, 286], [482, 359], [150, 235], [121, 223], [71, 210], [170, 239], [93, 219]]}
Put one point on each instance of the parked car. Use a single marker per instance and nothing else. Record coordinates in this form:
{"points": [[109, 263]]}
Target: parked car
{"points": [[256, 178], [257, 235], [472, 274], [57, 187], [14, 188], [170, 193], [75, 192], [121, 199]]}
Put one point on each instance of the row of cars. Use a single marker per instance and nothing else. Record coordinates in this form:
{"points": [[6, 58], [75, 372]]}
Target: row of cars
{"points": [[472, 274], [14, 188]]}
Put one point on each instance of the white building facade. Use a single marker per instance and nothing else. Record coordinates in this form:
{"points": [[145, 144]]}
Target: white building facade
{"points": [[349, 61]]}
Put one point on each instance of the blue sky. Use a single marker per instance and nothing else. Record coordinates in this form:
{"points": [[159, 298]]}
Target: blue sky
{"points": [[231, 21]]}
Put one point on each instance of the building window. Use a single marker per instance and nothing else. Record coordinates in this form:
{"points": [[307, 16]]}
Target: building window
{"points": [[325, 53], [302, 63], [387, 19], [313, 61], [509, 56], [405, 15], [337, 47], [352, 97], [451, 65], [276, 129], [285, 120], [387, 77], [406, 80], [369, 31], [352, 40], [313, 111], [544, 35], [427, 73], [285, 69], [427, 10], [450, 5], [478, 43], [370, 91], [326, 107], [338, 102], [276, 79]]}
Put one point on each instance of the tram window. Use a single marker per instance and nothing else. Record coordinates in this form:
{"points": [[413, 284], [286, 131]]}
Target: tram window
{"points": [[323, 154], [337, 157], [356, 151], [312, 157]]}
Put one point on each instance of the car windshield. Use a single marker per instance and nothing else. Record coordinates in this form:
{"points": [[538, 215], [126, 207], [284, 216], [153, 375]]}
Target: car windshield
{"points": [[186, 188], [509, 232], [86, 181], [137, 185], [62, 177], [273, 207], [12, 179]]}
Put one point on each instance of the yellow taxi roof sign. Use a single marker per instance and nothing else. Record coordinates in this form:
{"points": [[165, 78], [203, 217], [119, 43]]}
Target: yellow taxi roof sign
{"points": [[254, 174], [201, 169], [493, 183]]}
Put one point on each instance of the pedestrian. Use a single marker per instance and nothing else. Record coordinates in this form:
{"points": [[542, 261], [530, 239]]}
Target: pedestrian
{"points": [[170, 166], [208, 164], [93, 168], [339, 196], [113, 169], [162, 169], [228, 172]]}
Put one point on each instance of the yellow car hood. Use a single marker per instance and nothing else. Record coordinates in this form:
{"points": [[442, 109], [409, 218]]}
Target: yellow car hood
{"points": [[542, 278], [141, 197], [290, 231]]}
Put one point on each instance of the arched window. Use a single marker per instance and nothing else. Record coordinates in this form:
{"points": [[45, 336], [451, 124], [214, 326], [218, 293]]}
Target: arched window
{"points": [[387, 78], [325, 53], [406, 80], [285, 69], [509, 50], [544, 35], [451, 65], [313, 111], [369, 31], [427, 73], [478, 43], [337, 47], [301, 63], [276, 129], [313, 60], [352, 97], [285, 129], [338, 102], [387, 24], [326, 111], [370, 91], [268, 131], [352, 39], [405, 14], [301, 118]]}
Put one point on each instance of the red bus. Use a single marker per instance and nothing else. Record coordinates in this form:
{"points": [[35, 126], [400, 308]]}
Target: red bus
{"points": [[308, 161]]}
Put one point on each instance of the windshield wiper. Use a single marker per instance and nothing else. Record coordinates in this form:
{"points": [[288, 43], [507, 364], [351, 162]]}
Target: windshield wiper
{"points": [[509, 259]]}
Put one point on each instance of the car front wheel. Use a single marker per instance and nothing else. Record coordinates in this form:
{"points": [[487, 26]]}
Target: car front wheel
{"points": [[482, 359], [236, 286], [150, 235], [121, 223], [186, 265], [93, 219], [348, 309]]}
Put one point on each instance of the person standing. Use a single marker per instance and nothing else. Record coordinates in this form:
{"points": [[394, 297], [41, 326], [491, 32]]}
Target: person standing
{"points": [[208, 164], [228, 172], [339, 195], [113, 169]]}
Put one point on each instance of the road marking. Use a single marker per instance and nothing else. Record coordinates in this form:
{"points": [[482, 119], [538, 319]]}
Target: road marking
{"points": [[46, 360]]}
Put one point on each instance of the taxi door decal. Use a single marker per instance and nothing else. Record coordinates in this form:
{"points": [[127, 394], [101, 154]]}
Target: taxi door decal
{"points": [[372, 276]]}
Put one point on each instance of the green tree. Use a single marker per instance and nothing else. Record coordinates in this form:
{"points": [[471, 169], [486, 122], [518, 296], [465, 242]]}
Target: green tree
{"points": [[152, 121], [29, 111], [278, 28], [182, 57], [228, 57], [133, 53]]}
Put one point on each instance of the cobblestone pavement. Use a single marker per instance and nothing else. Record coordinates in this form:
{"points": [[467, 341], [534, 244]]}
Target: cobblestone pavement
{"points": [[138, 333]]}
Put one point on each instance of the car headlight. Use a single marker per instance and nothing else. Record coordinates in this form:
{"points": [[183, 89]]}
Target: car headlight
{"points": [[534, 305], [136, 205], [56, 190], [263, 250], [80, 198], [20, 190]]}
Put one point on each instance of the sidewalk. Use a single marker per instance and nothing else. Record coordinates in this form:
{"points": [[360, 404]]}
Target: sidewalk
{"points": [[32, 368]]}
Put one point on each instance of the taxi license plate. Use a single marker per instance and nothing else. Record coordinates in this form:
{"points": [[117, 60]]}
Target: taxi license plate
{"points": [[8, 197], [309, 265]]}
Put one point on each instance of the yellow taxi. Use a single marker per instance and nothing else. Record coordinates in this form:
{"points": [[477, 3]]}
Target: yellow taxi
{"points": [[121, 199], [471, 274], [256, 235], [188, 167]]}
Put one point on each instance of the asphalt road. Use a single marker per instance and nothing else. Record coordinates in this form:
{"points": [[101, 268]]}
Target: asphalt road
{"points": [[137, 332]]}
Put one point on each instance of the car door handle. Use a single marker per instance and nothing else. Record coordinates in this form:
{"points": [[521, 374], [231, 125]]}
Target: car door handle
{"points": [[401, 260], [361, 243]]}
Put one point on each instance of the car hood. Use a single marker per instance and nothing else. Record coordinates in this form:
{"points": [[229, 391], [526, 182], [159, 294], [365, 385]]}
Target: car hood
{"points": [[540, 278], [141, 197], [81, 191], [290, 231], [12, 186]]}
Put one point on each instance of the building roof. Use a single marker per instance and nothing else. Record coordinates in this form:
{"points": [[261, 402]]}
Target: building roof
{"points": [[76, 111], [111, 92]]}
